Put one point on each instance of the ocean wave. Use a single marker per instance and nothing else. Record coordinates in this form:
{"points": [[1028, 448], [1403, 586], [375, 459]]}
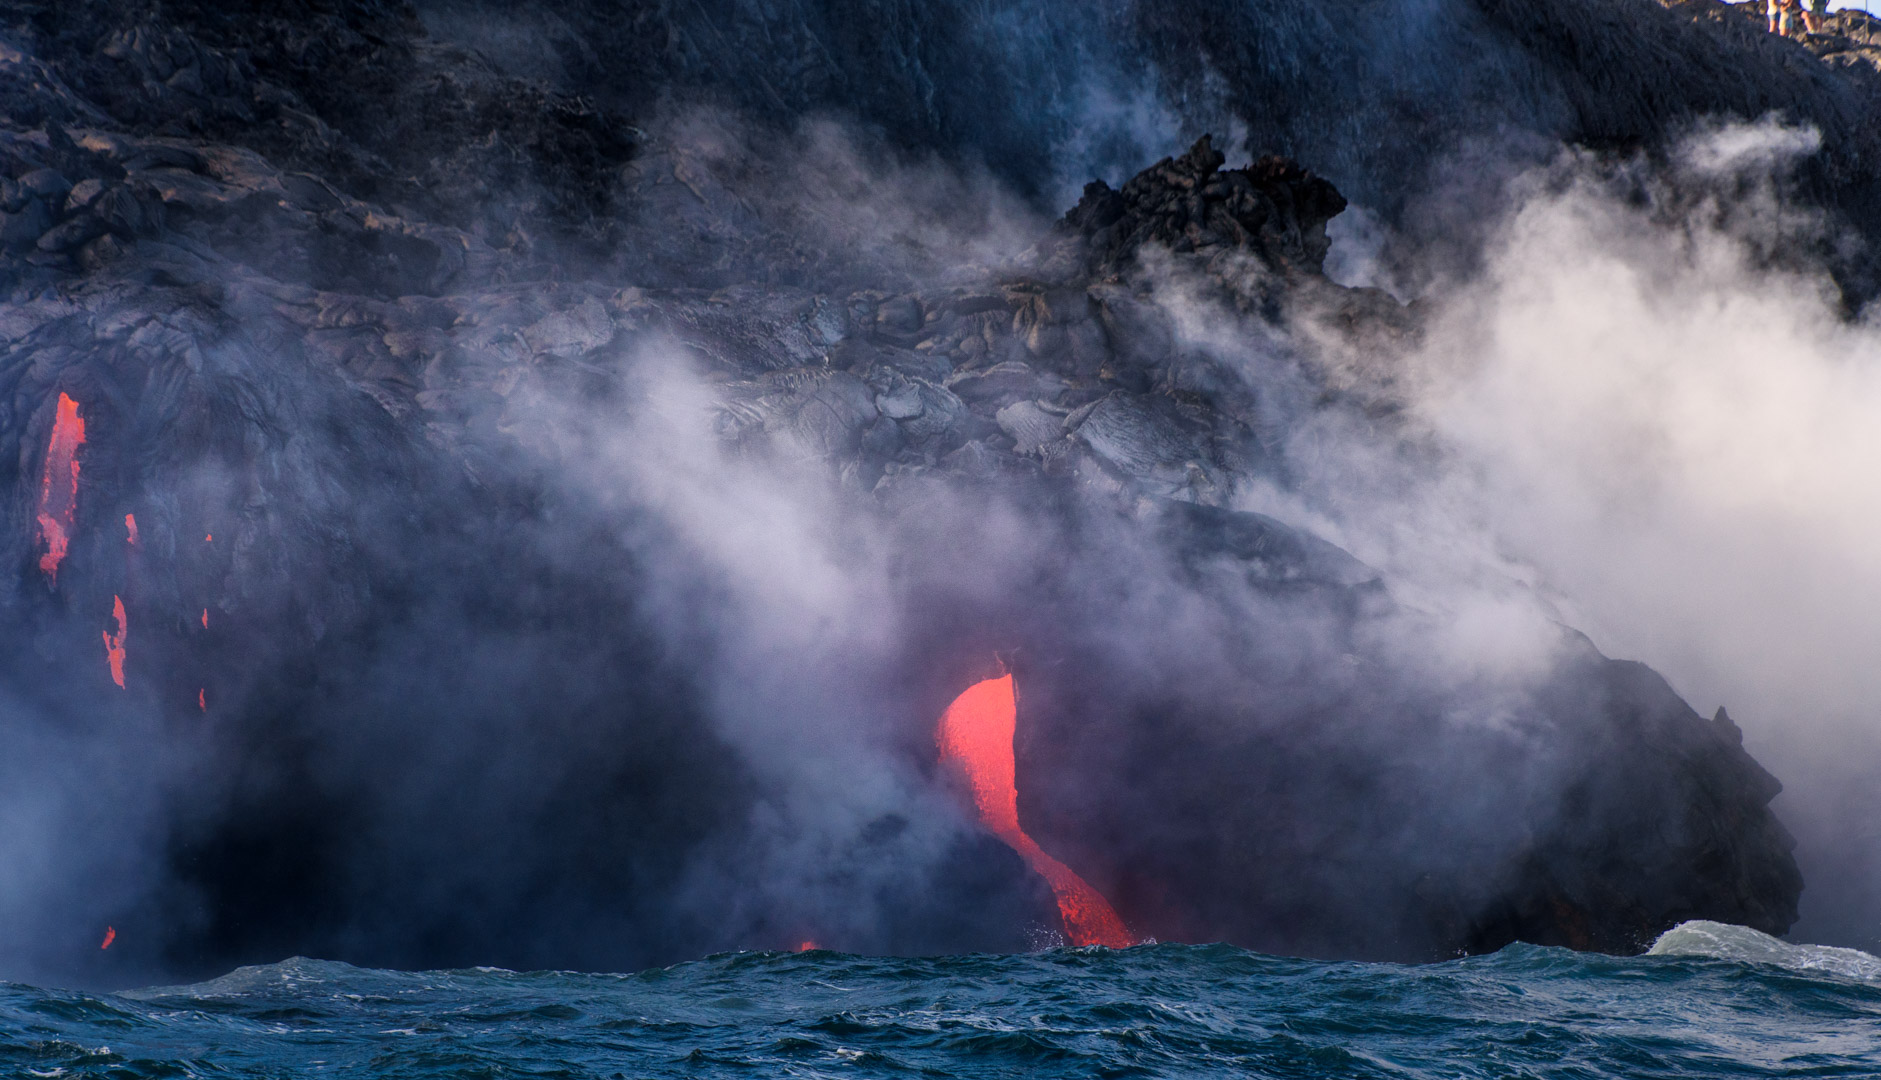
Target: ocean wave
{"points": [[1723, 941]]}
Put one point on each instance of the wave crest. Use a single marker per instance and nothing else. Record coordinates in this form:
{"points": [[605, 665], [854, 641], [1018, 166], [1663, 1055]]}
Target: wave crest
{"points": [[1722, 941]]}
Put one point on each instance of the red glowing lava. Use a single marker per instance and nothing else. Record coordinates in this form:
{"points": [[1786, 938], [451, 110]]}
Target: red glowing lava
{"points": [[111, 935], [58, 487], [202, 700], [130, 526], [975, 737], [114, 643], [806, 946], [205, 618]]}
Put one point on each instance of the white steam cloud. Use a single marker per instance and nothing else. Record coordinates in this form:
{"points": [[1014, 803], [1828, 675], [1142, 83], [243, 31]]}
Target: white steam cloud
{"points": [[1684, 443]]}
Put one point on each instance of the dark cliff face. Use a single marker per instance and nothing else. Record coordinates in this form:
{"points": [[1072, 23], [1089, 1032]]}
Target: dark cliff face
{"points": [[516, 124], [1416, 109], [558, 536]]}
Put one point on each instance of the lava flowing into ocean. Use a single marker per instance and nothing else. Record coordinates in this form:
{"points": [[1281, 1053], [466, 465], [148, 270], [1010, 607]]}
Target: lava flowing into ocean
{"points": [[975, 736], [58, 488], [114, 643]]}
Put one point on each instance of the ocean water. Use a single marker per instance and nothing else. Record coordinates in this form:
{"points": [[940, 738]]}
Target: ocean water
{"points": [[1709, 1001]]}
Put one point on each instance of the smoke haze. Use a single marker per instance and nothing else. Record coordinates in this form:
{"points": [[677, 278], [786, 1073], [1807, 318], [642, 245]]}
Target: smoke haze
{"points": [[1678, 438]]}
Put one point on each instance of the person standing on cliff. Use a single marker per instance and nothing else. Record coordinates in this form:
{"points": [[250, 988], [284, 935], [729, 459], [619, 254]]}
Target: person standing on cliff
{"points": [[1778, 12], [1812, 15]]}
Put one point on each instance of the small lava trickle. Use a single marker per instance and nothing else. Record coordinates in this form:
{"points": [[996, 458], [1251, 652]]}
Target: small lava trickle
{"points": [[130, 526], [58, 486], [205, 618], [111, 935], [975, 737], [202, 700], [114, 643]]}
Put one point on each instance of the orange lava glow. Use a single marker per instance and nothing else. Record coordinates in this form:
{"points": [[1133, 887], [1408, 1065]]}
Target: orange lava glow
{"points": [[111, 935], [975, 737], [114, 643], [202, 700], [205, 618], [58, 488], [130, 526], [806, 946]]}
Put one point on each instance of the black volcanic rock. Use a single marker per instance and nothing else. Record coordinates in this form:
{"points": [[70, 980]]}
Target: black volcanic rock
{"points": [[312, 276], [1273, 209], [1274, 814]]}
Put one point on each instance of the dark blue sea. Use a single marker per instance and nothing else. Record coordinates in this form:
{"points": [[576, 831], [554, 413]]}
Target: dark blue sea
{"points": [[1710, 1001]]}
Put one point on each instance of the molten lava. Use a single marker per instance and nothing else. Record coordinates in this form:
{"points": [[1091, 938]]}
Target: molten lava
{"points": [[202, 700], [111, 935], [114, 643], [975, 736], [130, 526], [58, 487], [806, 946], [205, 618]]}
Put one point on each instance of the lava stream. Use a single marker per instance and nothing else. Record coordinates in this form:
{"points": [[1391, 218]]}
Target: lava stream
{"points": [[975, 736], [130, 526], [58, 487], [111, 935], [114, 643]]}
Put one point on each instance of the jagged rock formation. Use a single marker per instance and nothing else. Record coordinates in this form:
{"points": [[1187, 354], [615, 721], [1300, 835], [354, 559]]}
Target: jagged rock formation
{"points": [[322, 336], [1272, 208]]}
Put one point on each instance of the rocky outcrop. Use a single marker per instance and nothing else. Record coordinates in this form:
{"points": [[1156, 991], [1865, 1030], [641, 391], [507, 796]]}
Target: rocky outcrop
{"points": [[1651, 812], [443, 708], [1273, 209]]}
